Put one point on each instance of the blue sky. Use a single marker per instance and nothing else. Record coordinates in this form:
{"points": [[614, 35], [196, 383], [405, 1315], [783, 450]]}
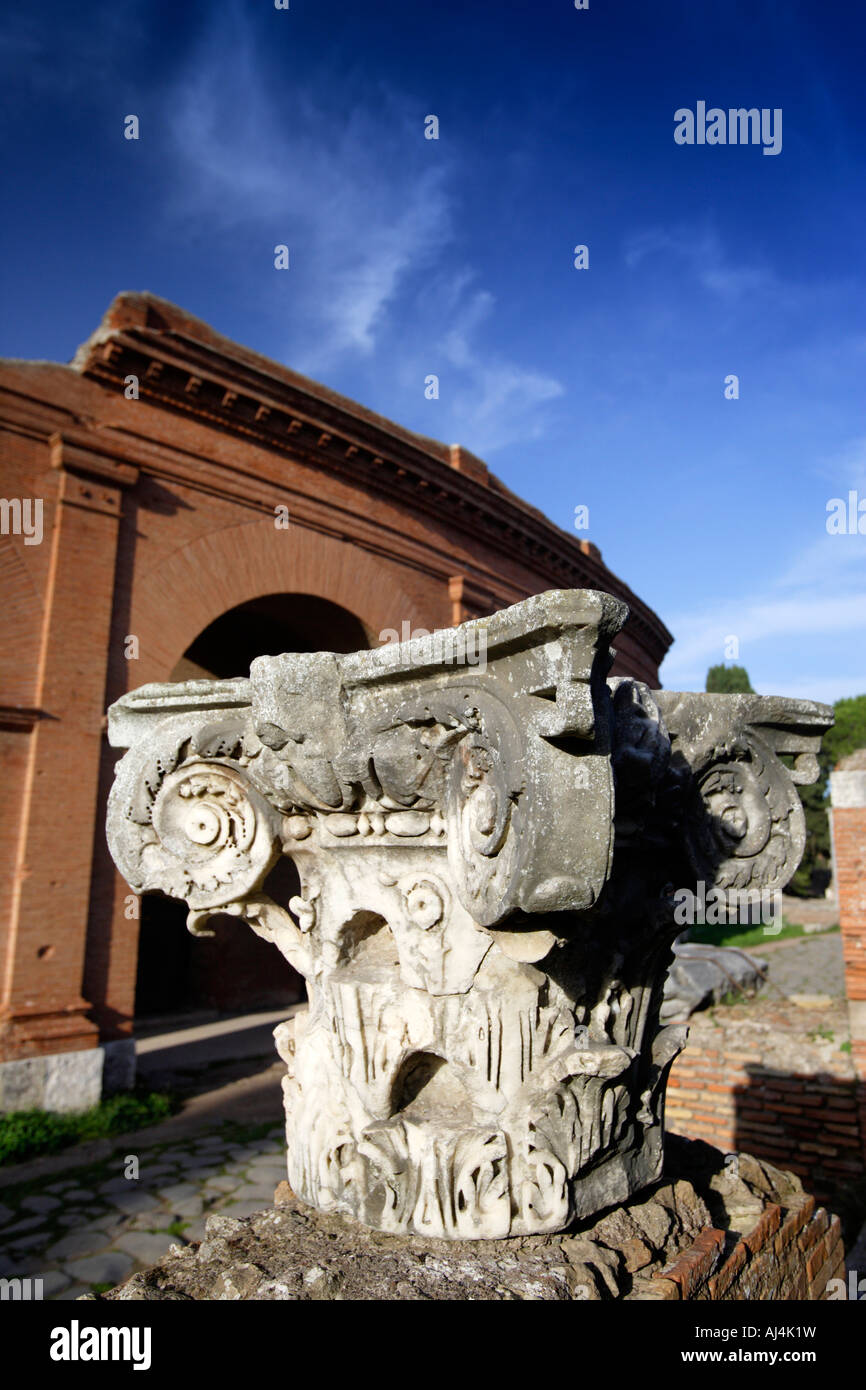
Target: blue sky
{"points": [[602, 387]]}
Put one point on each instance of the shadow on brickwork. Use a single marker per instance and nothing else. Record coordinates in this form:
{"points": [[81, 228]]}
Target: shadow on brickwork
{"points": [[812, 1125]]}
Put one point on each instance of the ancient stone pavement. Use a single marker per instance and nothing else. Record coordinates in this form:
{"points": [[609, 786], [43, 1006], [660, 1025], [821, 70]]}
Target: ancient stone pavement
{"points": [[94, 1226]]}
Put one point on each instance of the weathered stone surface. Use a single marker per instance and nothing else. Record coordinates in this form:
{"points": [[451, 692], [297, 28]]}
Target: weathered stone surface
{"points": [[63, 1081], [701, 975], [293, 1253], [73, 1080], [22, 1083], [486, 853]]}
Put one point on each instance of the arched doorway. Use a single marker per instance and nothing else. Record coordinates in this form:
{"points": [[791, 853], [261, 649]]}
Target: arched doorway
{"points": [[234, 970], [265, 627]]}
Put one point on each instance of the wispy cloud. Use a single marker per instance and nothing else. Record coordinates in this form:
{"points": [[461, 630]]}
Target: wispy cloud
{"points": [[817, 598], [496, 401], [336, 189], [706, 259], [846, 467], [368, 209]]}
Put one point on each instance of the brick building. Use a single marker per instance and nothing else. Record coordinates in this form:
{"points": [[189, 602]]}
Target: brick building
{"points": [[200, 505]]}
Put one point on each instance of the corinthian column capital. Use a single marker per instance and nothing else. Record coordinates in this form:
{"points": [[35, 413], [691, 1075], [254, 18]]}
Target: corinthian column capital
{"points": [[486, 831]]}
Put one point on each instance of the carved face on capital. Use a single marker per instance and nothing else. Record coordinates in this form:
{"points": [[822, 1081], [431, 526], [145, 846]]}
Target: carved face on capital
{"points": [[738, 810]]}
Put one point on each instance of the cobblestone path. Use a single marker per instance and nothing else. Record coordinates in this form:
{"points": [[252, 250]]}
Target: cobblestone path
{"points": [[806, 965], [94, 1226]]}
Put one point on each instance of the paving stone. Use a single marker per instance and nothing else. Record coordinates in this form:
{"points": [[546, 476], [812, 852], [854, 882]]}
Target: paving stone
{"points": [[76, 1217], [223, 1183], [116, 1231], [131, 1203], [20, 1266], [78, 1194], [178, 1191], [219, 1204], [246, 1208], [144, 1246], [152, 1220], [40, 1203], [26, 1225], [149, 1173], [265, 1182], [58, 1187], [814, 965], [6, 1214], [74, 1291], [34, 1242], [78, 1243], [54, 1283], [190, 1206], [109, 1267], [202, 1174], [116, 1186], [256, 1192]]}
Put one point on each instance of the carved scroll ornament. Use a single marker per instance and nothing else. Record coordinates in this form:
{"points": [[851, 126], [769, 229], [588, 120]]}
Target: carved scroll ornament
{"points": [[484, 920]]}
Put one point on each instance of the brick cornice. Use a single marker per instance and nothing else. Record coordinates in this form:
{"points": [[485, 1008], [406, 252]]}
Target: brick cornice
{"points": [[237, 395], [185, 367], [82, 453]]}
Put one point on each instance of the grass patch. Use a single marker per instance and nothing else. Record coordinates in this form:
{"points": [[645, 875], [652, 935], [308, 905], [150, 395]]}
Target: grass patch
{"points": [[29, 1133], [733, 934]]}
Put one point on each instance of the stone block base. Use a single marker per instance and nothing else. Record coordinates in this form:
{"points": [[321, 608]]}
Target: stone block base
{"points": [[58, 1081], [706, 1232], [65, 1082]]}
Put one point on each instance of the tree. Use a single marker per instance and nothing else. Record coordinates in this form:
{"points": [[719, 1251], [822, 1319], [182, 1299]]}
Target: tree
{"points": [[729, 680], [846, 736]]}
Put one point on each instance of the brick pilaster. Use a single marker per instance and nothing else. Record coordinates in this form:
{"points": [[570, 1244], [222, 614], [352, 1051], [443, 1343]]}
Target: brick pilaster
{"points": [[42, 1007]]}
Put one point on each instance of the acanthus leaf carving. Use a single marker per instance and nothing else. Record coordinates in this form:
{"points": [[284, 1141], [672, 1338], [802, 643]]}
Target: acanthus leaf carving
{"points": [[483, 916]]}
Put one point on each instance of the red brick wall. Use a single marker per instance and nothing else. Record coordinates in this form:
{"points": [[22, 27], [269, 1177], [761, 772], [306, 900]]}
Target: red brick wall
{"points": [[849, 846], [807, 1123], [791, 1253]]}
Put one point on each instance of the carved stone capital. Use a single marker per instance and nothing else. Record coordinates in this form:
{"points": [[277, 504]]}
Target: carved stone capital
{"points": [[485, 830]]}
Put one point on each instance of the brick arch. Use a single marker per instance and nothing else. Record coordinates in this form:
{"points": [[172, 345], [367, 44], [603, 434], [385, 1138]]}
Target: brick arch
{"points": [[182, 596]]}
